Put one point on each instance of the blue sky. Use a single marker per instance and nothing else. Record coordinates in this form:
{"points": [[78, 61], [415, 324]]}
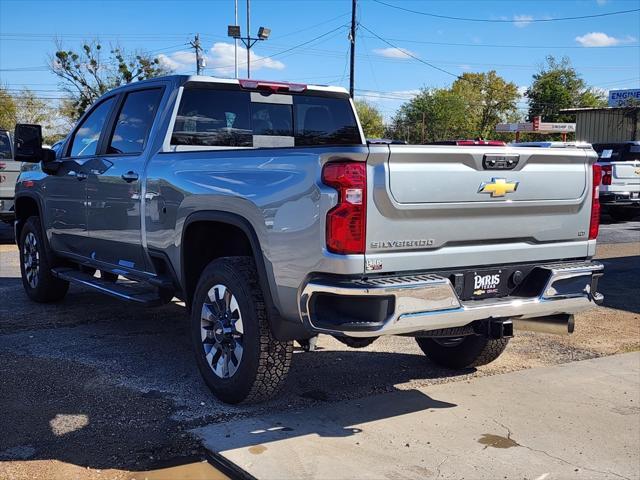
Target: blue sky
{"points": [[604, 50]]}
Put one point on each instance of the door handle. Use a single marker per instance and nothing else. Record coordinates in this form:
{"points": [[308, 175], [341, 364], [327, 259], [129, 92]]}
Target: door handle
{"points": [[130, 176], [81, 175]]}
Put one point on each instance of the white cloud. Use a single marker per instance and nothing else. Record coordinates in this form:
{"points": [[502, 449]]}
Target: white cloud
{"points": [[601, 39], [394, 52], [220, 60], [522, 21], [602, 2]]}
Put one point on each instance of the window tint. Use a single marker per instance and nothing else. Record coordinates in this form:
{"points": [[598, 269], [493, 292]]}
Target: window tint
{"points": [[324, 121], [617, 152], [228, 118], [5, 146], [272, 119], [134, 121], [85, 140], [213, 118]]}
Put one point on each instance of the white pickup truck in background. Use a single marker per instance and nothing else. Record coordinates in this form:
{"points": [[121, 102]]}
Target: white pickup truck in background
{"points": [[620, 188], [9, 171]]}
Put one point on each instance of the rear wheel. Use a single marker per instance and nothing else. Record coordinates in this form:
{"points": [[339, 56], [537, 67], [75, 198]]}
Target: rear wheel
{"points": [[237, 355], [462, 352], [35, 265]]}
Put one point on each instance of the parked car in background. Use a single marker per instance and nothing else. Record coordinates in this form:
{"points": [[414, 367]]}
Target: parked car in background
{"points": [[9, 171], [620, 188]]}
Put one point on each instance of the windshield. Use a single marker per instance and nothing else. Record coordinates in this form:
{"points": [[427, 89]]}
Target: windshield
{"points": [[617, 152]]}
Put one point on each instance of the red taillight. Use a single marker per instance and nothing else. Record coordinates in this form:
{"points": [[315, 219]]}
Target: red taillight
{"points": [[606, 174], [346, 222], [594, 226]]}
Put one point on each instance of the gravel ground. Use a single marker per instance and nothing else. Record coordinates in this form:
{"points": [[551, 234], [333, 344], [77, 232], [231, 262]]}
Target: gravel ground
{"points": [[95, 383]]}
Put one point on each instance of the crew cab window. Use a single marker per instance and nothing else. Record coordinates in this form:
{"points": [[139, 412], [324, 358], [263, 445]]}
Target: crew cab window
{"points": [[324, 121], [85, 140], [213, 118], [134, 121], [229, 118]]}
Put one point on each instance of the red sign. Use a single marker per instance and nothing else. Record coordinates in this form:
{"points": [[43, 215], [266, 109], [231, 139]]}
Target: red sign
{"points": [[536, 123]]}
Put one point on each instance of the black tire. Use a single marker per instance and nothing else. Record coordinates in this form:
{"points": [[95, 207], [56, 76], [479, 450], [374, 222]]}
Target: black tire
{"points": [[462, 352], [354, 342], [264, 361], [623, 214], [35, 265]]}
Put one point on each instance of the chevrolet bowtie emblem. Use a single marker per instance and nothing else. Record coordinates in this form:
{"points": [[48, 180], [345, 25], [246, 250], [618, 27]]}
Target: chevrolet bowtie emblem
{"points": [[498, 187]]}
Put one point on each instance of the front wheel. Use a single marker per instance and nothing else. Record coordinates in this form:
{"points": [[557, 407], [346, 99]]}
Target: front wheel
{"points": [[35, 265], [236, 352], [462, 352]]}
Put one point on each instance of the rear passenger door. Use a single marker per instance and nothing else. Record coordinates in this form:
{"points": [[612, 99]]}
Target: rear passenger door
{"points": [[114, 196]]}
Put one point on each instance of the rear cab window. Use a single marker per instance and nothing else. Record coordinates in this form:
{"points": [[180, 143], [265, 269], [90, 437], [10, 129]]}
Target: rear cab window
{"points": [[617, 152], [211, 116]]}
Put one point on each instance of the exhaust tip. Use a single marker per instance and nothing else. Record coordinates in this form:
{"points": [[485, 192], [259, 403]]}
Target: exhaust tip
{"points": [[554, 324]]}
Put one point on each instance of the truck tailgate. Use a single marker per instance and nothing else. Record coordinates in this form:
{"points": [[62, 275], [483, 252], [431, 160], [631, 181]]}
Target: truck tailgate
{"points": [[626, 173], [9, 171], [436, 207]]}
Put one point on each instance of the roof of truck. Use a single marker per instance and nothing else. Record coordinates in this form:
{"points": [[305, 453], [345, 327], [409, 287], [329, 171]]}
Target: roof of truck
{"points": [[182, 79]]}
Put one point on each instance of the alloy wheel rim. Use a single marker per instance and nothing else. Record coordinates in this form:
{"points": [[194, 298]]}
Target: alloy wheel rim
{"points": [[31, 259], [222, 331]]}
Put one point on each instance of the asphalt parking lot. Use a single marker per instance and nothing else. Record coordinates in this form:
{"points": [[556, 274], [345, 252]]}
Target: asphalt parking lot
{"points": [[95, 387]]}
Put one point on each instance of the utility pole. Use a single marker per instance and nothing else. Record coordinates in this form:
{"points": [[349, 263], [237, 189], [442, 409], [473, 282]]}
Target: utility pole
{"points": [[352, 38], [200, 63]]}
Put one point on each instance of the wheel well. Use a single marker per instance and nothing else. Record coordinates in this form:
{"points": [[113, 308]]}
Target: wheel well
{"points": [[205, 241], [25, 207]]}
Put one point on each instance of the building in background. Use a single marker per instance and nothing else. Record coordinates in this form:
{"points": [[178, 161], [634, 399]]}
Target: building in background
{"points": [[606, 125]]}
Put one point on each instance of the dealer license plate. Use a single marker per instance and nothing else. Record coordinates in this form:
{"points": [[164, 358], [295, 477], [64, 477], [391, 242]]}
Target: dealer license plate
{"points": [[485, 283]]}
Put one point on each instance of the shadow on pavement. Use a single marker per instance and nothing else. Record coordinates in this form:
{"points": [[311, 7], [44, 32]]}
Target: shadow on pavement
{"points": [[621, 283], [6, 234]]}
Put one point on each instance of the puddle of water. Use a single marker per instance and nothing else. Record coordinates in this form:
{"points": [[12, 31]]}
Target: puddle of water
{"points": [[190, 471], [257, 449], [497, 441]]}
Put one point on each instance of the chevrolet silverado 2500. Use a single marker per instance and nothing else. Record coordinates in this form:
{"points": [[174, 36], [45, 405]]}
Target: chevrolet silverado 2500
{"points": [[263, 208]]}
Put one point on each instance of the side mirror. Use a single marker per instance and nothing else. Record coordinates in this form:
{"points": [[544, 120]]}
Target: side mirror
{"points": [[28, 143]]}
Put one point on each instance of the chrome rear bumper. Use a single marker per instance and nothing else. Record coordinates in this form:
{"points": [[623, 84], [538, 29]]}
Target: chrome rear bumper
{"points": [[427, 302]]}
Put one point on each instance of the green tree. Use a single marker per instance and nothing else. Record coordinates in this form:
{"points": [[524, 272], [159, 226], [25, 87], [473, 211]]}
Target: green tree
{"points": [[557, 86], [7, 110], [89, 73], [370, 118], [490, 99], [31, 109], [434, 114]]}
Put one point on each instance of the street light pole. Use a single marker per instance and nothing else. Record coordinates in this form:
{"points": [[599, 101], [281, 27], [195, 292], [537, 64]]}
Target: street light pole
{"points": [[235, 40], [248, 39]]}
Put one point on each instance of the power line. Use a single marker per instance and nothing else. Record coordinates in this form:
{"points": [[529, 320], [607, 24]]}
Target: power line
{"points": [[497, 45], [504, 20], [409, 54]]}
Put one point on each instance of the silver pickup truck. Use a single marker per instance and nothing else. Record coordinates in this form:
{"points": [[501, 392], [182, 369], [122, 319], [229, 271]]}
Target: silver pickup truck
{"points": [[262, 207]]}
